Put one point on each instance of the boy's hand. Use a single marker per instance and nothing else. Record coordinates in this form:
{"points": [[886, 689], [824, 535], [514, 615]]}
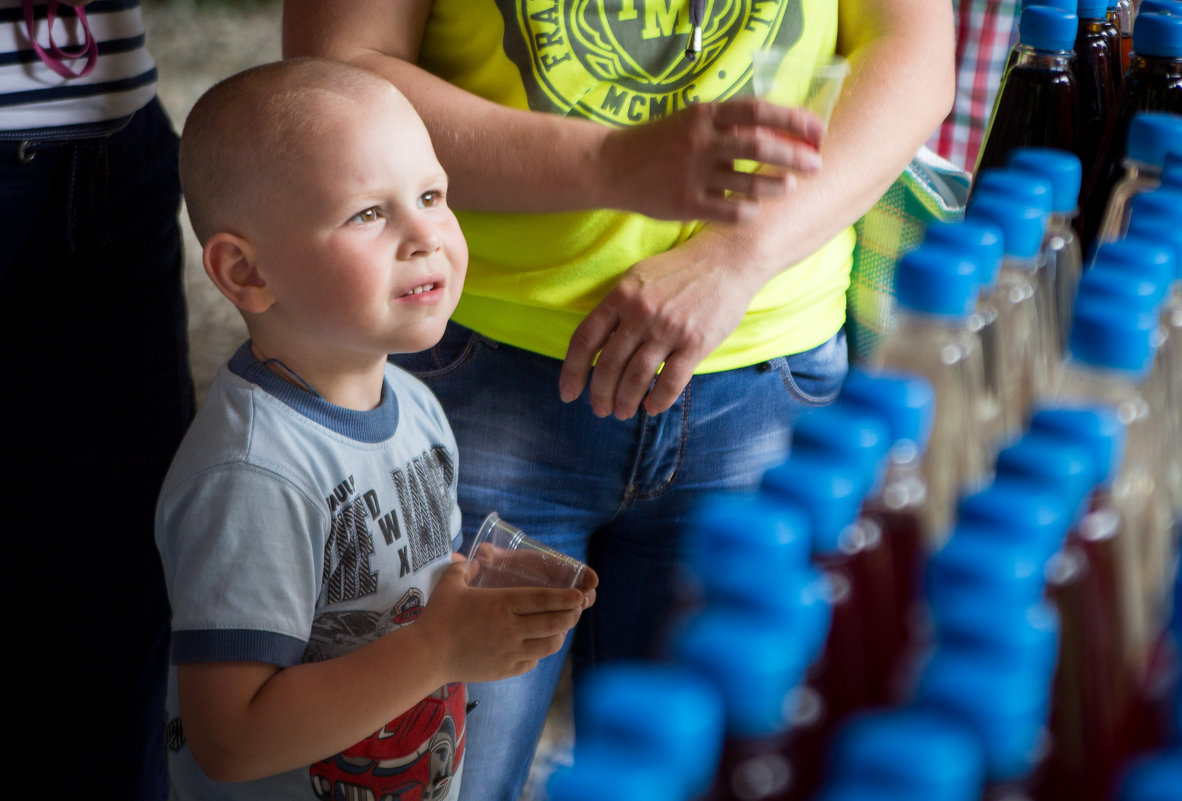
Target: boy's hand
{"points": [[490, 634]]}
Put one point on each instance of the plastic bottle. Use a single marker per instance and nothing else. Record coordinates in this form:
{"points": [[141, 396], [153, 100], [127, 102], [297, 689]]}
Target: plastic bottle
{"points": [[981, 242], [1153, 82], [1153, 777], [907, 403], [935, 293], [1098, 66], [667, 712], [1110, 359], [1061, 245], [1152, 135], [755, 667], [1025, 313], [1124, 18], [1038, 100]]}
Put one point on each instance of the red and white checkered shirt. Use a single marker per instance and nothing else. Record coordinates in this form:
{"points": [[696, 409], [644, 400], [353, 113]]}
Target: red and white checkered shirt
{"points": [[986, 30]]}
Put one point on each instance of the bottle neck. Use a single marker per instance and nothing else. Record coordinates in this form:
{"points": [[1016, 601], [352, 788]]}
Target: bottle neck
{"points": [[1052, 60]]}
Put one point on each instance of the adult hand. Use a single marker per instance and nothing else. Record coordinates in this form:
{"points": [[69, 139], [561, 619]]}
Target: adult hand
{"points": [[682, 167], [672, 308]]}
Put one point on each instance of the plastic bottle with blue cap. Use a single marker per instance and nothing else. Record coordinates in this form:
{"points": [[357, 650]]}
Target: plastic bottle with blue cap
{"points": [[1061, 245], [1110, 359], [1152, 83], [1025, 321], [757, 669], [1154, 776], [862, 437], [667, 712], [1037, 102], [1151, 136], [609, 770], [936, 290], [1098, 67], [907, 403], [981, 241]]}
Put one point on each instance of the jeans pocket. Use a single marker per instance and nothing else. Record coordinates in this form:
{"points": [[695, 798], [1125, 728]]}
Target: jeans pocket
{"points": [[815, 376], [455, 348]]}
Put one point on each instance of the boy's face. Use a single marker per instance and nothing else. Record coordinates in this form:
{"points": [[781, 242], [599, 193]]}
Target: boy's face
{"points": [[361, 251]]}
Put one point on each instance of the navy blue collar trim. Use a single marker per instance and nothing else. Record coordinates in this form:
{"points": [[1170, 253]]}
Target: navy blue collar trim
{"points": [[375, 425]]}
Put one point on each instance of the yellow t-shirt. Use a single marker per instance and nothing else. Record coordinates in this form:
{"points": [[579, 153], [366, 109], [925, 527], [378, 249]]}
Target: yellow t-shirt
{"points": [[533, 277]]}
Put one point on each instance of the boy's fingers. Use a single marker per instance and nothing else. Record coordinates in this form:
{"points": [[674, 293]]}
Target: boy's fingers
{"points": [[535, 600]]}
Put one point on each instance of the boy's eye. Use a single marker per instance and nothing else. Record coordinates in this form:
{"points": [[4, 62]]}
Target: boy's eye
{"points": [[369, 215], [431, 198]]}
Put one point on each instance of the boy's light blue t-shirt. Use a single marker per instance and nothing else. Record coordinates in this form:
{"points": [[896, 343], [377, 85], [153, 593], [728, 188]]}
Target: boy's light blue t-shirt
{"points": [[292, 530]]}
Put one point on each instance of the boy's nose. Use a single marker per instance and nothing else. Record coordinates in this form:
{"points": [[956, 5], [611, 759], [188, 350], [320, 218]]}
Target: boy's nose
{"points": [[420, 238]]}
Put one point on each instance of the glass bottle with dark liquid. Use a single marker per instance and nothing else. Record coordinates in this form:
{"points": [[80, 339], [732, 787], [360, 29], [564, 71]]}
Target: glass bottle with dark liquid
{"points": [[1153, 82], [1038, 101]]}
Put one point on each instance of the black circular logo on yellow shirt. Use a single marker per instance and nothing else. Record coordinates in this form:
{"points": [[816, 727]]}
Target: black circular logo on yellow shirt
{"points": [[622, 62]]}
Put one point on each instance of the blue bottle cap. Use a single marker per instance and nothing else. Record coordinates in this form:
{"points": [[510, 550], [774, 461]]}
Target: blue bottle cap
{"points": [[975, 622], [1061, 167], [936, 281], [1065, 5], [842, 790], [830, 490], [915, 749], [1141, 256], [1160, 7], [980, 240], [906, 401], [1156, 776], [1158, 35], [668, 712], [1052, 463], [1147, 225], [1005, 707], [1092, 9], [1022, 225], [1022, 186], [1021, 510], [1097, 428], [734, 540], [606, 770], [1153, 134], [847, 431], [1107, 333], [1158, 202], [977, 558], [753, 665], [1111, 281], [1048, 29]]}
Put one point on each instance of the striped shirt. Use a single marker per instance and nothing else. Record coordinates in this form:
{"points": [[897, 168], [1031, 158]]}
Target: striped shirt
{"points": [[33, 96], [986, 30]]}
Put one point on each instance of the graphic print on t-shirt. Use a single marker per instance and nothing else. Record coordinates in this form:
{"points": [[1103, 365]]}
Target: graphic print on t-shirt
{"points": [[622, 62]]}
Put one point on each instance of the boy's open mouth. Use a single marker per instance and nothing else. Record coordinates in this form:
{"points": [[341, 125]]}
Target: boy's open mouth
{"points": [[418, 290]]}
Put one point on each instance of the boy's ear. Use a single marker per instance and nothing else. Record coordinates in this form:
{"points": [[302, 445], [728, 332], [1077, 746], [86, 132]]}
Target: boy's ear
{"points": [[231, 264]]}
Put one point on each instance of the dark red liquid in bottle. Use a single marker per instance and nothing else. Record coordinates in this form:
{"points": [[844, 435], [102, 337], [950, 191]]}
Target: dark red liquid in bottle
{"points": [[1037, 106], [1096, 61], [903, 532], [1151, 84]]}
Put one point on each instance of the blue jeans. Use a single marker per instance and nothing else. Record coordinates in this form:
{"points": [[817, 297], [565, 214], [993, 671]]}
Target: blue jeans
{"points": [[616, 494], [97, 395]]}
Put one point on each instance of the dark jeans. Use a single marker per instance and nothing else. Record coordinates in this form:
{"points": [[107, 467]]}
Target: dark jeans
{"points": [[96, 396]]}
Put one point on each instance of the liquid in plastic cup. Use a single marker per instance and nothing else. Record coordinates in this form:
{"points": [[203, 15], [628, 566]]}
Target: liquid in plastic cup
{"points": [[787, 80], [503, 556]]}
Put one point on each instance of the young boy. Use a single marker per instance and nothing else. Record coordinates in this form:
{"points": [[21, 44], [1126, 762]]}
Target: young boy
{"points": [[311, 509]]}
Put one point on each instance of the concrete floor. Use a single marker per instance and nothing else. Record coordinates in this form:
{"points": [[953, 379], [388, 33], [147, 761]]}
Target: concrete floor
{"points": [[195, 44]]}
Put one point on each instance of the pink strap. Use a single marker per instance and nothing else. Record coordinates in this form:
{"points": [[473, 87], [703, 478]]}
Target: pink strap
{"points": [[56, 55]]}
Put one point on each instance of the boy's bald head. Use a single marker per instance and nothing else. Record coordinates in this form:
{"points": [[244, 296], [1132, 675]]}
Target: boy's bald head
{"points": [[244, 136]]}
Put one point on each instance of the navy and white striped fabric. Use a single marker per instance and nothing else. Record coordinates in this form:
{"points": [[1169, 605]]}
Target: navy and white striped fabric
{"points": [[34, 97]]}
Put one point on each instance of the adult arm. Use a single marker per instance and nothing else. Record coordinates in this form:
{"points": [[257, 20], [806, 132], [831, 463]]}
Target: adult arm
{"points": [[247, 720], [504, 159], [676, 307]]}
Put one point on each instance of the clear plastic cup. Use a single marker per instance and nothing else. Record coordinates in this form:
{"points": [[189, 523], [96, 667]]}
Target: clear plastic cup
{"points": [[785, 79], [503, 556]]}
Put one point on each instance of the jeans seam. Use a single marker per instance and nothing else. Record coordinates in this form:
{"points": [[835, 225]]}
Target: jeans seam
{"points": [[795, 390], [455, 365], [681, 446]]}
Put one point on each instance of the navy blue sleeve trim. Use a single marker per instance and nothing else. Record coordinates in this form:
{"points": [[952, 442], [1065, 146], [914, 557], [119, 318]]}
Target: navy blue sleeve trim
{"points": [[78, 90], [236, 645]]}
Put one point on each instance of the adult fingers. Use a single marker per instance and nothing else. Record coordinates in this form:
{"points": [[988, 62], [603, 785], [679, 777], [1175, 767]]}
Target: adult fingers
{"points": [[799, 123], [673, 379], [589, 337]]}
